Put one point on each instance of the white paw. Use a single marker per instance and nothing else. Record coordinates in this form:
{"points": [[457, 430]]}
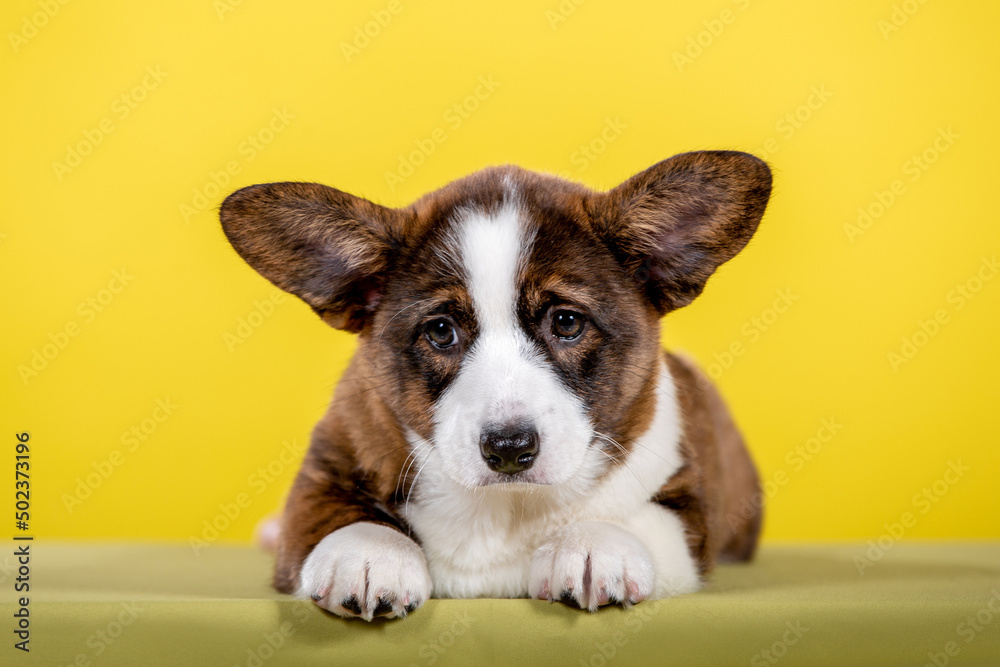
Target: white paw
{"points": [[592, 563], [366, 570]]}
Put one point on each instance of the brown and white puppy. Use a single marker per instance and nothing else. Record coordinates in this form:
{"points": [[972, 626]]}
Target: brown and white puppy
{"points": [[509, 425]]}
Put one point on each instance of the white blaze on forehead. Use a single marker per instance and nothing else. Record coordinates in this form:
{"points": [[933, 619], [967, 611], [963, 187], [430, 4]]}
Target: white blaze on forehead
{"points": [[503, 379], [492, 249]]}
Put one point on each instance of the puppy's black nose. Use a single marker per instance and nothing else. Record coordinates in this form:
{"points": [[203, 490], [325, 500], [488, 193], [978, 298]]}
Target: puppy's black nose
{"points": [[509, 450]]}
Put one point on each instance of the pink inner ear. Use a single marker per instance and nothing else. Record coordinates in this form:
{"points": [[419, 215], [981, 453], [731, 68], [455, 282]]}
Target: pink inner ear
{"points": [[371, 293], [372, 297]]}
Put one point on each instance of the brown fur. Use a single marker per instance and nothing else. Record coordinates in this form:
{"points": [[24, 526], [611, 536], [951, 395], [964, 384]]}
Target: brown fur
{"points": [[717, 473], [625, 257], [350, 474]]}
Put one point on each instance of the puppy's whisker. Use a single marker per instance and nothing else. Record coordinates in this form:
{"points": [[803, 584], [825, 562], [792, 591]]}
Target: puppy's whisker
{"points": [[418, 450], [625, 462], [413, 484], [404, 471], [636, 443], [632, 443]]}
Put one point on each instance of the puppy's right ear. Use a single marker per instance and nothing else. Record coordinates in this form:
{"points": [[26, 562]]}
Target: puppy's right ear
{"points": [[327, 247]]}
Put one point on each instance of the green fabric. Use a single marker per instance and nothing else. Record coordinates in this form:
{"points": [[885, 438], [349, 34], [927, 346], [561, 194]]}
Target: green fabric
{"points": [[164, 605]]}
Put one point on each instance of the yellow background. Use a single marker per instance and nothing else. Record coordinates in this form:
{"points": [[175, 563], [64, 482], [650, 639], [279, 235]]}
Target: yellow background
{"points": [[880, 93]]}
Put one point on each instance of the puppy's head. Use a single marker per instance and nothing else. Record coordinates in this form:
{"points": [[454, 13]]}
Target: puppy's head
{"points": [[511, 318]]}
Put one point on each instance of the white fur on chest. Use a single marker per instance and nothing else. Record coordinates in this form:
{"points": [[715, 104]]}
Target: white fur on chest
{"points": [[479, 541]]}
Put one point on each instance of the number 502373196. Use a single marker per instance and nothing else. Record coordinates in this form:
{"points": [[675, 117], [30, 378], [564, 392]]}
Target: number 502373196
{"points": [[22, 482]]}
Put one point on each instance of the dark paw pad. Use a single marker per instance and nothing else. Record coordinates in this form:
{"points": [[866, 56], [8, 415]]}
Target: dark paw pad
{"points": [[566, 597], [384, 607], [352, 605]]}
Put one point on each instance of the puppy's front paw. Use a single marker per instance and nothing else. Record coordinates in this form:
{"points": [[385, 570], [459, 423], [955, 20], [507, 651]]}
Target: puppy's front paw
{"points": [[590, 564], [366, 570]]}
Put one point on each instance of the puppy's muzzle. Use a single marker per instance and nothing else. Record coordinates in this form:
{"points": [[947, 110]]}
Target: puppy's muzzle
{"points": [[509, 449]]}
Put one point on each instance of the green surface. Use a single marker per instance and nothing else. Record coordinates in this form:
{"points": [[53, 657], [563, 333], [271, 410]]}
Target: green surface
{"points": [[164, 605]]}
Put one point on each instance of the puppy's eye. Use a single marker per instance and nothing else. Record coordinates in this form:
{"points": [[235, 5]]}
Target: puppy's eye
{"points": [[441, 333], [567, 324]]}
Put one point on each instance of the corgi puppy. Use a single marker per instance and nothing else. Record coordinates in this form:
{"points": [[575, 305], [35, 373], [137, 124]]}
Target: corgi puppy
{"points": [[509, 425]]}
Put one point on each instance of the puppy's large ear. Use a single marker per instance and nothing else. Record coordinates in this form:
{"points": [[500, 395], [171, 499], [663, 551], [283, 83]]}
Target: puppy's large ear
{"points": [[327, 247], [673, 224]]}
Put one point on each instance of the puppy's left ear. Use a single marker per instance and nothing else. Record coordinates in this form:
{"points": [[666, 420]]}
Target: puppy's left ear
{"points": [[675, 223], [329, 248]]}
